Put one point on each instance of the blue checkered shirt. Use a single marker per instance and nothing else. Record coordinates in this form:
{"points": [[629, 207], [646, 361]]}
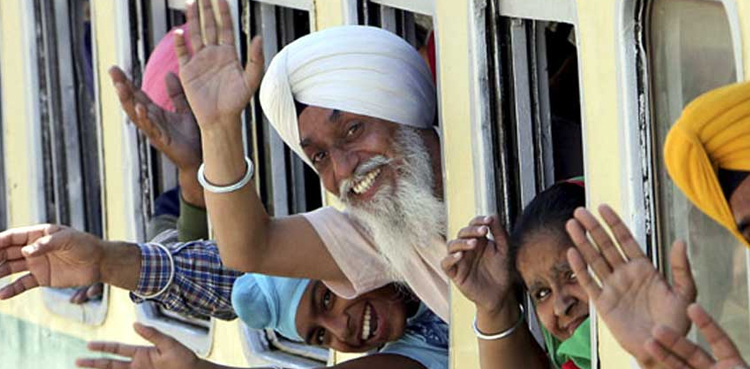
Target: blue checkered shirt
{"points": [[201, 286]]}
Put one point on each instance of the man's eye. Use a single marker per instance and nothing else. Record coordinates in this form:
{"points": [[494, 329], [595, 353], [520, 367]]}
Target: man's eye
{"points": [[319, 156], [327, 298], [353, 129], [541, 294], [571, 276], [320, 337]]}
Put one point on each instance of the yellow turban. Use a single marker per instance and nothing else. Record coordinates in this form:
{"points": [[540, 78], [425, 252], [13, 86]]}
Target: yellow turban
{"points": [[713, 132]]}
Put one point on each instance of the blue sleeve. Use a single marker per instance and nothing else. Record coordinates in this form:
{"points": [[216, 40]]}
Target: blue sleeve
{"points": [[418, 349]]}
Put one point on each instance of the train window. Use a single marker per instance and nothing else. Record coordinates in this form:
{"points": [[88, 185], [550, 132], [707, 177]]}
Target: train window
{"points": [[409, 19], [157, 173], [534, 113], [70, 135], [285, 183], [690, 51]]}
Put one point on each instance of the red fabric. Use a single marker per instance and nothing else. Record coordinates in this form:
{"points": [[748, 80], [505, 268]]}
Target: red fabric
{"points": [[570, 365], [431, 55], [162, 61]]}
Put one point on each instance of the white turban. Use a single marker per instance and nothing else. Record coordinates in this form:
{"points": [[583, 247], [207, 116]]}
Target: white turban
{"points": [[357, 69]]}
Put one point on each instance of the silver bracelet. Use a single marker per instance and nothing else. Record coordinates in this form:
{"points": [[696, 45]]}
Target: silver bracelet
{"points": [[230, 188], [171, 274], [503, 334]]}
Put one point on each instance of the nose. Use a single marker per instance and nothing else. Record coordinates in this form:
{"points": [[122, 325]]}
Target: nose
{"points": [[564, 304], [338, 327], [344, 163]]}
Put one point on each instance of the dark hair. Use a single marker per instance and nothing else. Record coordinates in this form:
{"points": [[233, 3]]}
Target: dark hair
{"points": [[547, 212], [730, 180], [299, 107]]}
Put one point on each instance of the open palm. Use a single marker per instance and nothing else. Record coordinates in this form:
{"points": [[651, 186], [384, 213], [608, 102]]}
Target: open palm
{"points": [[215, 84], [55, 256], [633, 296], [175, 134], [167, 353]]}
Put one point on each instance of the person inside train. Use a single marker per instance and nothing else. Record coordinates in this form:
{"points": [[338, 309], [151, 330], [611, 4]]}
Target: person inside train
{"points": [[189, 278], [361, 114], [707, 154], [389, 322], [549, 252]]}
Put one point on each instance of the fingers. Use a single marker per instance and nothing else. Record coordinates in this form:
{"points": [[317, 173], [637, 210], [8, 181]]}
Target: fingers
{"points": [[591, 256], [227, 32], [103, 363], [582, 274], [194, 28], [464, 244], [116, 348], [255, 64], [13, 267], [152, 335], [42, 246], [600, 236], [209, 22], [146, 120], [449, 264], [10, 254], [682, 276], [176, 93], [95, 291], [471, 231], [26, 235], [621, 232], [721, 345], [180, 48], [679, 349], [664, 356], [18, 287]]}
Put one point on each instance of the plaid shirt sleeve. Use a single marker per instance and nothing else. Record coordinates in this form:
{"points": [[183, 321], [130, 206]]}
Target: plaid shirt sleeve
{"points": [[193, 281]]}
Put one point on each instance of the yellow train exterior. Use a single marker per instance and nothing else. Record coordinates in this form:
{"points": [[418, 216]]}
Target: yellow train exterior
{"points": [[636, 63]]}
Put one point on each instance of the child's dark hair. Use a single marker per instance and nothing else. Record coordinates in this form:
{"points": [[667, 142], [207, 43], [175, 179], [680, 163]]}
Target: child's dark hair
{"points": [[547, 212]]}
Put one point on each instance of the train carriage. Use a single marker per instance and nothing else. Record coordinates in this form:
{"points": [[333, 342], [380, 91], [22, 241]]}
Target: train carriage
{"points": [[529, 92]]}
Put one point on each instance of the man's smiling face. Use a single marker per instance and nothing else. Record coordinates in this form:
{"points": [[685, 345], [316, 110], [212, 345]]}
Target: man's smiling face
{"points": [[339, 143], [357, 325]]}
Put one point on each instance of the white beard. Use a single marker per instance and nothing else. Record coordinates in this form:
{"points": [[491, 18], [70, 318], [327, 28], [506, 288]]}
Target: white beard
{"points": [[400, 221]]}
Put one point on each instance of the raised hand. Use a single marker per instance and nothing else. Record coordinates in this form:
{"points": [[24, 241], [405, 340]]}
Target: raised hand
{"points": [[166, 354], [633, 296], [479, 266], [174, 134], [216, 86], [675, 351], [54, 256]]}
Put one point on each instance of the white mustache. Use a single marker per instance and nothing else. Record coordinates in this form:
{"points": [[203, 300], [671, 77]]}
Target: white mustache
{"points": [[371, 164]]}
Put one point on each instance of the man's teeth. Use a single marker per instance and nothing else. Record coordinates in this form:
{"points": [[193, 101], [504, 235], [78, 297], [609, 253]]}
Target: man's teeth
{"points": [[366, 329], [365, 183]]}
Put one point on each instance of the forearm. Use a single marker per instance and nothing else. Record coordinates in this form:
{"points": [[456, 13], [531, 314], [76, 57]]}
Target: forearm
{"points": [[238, 218], [519, 350], [121, 264]]}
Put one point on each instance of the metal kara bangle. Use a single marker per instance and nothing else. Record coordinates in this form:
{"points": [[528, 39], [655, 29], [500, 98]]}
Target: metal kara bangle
{"points": [[230, 188], [501, 335]]}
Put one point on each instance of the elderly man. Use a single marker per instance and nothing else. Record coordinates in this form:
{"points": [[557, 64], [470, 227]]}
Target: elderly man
{"points": [[358, 105]]}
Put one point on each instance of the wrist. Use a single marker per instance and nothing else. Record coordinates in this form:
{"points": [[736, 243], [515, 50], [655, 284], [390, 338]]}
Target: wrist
{"points": [[190, 190], [120, 264], [498, 317]]}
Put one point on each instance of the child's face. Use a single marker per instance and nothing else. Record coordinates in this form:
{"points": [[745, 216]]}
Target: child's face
{"points": [[561, 303]]}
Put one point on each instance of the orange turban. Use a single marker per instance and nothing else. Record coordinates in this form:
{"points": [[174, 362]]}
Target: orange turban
{"points": [[713, 132]]}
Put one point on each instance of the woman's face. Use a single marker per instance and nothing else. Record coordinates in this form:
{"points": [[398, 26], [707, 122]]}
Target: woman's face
{"points": [[561, 303], [358, 325]]}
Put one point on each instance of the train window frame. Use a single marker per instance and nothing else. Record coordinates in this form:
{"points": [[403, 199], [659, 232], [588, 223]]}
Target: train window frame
{"points": [[159, 174], [68, 190], [492, 141], [3, 195], [639, 114], [282, 179]]}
